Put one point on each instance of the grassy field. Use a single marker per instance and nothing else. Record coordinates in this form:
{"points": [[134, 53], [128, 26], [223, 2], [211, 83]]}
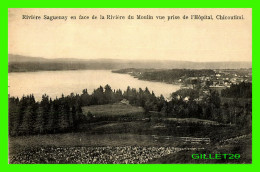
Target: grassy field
{"points": [[174, 128], [238, 145], [20, 143], [131, 141], [192, 120], [117, 109], [119, 148], [92, 155]]}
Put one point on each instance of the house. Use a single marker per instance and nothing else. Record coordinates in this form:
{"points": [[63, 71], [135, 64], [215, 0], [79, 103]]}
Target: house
{"points": [[125, 102]]}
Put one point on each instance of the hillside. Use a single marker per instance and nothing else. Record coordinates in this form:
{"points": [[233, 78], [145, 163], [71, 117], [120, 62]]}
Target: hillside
{"points": [[18, 63]]}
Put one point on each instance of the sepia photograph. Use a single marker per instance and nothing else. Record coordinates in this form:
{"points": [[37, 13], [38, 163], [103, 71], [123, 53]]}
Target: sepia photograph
{"points": [[130, 85]]}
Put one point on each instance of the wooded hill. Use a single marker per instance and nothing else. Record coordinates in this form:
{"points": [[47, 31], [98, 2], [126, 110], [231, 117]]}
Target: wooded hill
{"points": [[18, 63], [26, 116]]}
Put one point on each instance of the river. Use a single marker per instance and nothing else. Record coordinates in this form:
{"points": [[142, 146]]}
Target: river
{"points": [[54, 83]]}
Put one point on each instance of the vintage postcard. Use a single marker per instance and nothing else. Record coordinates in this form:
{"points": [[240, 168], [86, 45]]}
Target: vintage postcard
{"points": [[130, 86]]}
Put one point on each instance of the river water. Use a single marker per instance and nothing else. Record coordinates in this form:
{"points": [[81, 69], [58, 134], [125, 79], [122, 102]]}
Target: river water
{"points": [[54, 83]]}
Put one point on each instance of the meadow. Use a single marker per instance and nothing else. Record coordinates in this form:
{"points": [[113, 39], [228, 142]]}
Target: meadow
{"points": [[120, 133], [116, 109]]}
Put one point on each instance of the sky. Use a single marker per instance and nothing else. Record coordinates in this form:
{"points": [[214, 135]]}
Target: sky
{"points": [[184, 40]]}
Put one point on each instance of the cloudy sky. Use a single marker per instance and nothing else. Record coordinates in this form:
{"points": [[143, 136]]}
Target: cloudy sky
{"points": [[187, 40]]}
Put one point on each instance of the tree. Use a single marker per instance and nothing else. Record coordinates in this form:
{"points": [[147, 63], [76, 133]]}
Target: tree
{"points": [[27, 121], [225, 114], [194, 82], [63, 120], [160, 103], [148, 106], [98, 96], [39, 125], [89, 116], [45, 104], [127, 93], [52, 121], [183, 93], [208, 83], [79, 115], [74, 117], [118, 95], [213, 99], [241, 90], [85, 98], [13, 116], [108, 95], [211, 105]]}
